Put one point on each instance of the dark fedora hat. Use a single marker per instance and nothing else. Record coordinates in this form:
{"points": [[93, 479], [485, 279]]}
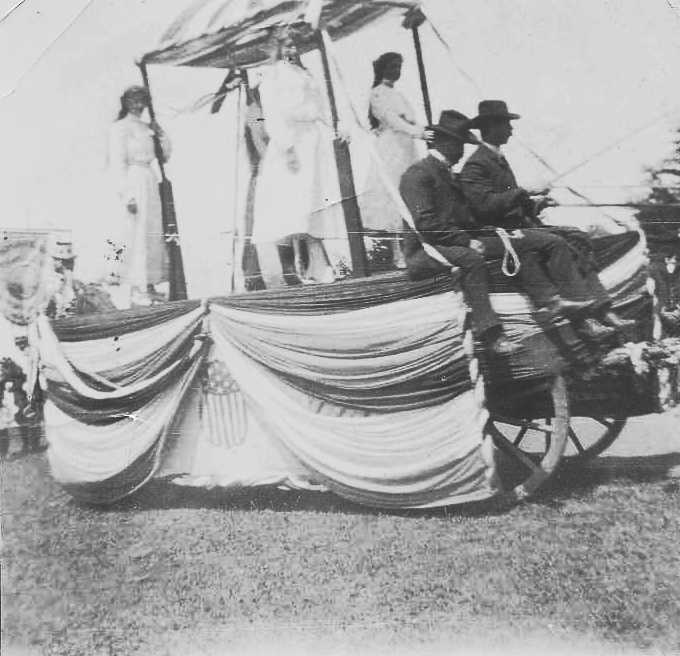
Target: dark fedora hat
{"points": [[456, 125], [490, 110]]}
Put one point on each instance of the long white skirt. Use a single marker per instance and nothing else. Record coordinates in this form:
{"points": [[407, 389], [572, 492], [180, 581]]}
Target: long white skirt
{"points": [[304, 203], [144, 256], [397, 152]]}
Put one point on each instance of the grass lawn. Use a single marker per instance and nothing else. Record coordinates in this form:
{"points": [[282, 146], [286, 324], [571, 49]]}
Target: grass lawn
{"points": [[590, 566]]}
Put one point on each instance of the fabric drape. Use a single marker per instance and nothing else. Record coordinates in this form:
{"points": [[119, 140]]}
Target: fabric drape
{"points": [[366, 388]]}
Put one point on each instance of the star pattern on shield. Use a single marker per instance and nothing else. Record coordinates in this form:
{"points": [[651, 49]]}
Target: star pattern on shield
{"points": [[218, 379]]}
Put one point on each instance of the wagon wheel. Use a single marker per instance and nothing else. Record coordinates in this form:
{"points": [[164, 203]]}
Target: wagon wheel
{"points": [[531, 447], [587, 437], [590, 436]]}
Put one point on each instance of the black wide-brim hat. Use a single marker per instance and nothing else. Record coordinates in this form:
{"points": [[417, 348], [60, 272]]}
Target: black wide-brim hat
{"points": [[454, 124], [492, 110]]}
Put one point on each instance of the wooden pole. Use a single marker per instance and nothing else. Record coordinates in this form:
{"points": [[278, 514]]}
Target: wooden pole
{"points": [[343, 161], [178, 285], [152, 115], [421, 72]]}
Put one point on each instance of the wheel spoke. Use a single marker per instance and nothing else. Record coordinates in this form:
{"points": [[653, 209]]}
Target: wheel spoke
{"points": [[516, 453], [521, 434], [575, 440]]}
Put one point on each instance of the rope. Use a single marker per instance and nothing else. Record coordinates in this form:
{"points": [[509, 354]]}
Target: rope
{"points": [[510, 253]]}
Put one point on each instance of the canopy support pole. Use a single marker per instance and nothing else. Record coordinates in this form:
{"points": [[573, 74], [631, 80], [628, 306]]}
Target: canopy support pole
{"points": [[421, 72], [343, 161], [177, 280]]}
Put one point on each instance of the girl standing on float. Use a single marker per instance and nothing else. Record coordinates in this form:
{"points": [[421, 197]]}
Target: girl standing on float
{"points": [[297, 196], [392, 120], [143, 254]]}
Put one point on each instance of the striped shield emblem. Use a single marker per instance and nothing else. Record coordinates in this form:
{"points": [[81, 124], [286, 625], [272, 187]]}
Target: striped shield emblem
{"points": [[223, 409]]}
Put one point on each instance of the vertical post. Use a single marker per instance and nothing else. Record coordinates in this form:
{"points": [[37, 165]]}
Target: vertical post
{"points": [[343, 161], [421, 72], [234, 231], [178, 285]]}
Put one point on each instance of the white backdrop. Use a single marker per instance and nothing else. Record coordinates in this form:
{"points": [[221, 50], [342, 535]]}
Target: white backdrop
{"points": [[583, 74]]}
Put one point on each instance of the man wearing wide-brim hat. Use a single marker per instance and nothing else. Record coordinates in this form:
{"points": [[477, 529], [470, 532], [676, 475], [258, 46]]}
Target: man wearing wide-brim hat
{"points": [[443, 219], [440, 215], [488, 181], [61, 291], [496, 199]]}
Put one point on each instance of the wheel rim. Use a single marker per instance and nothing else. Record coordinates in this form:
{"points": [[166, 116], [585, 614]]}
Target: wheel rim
{"points": [[590, 436], [530, 448]]}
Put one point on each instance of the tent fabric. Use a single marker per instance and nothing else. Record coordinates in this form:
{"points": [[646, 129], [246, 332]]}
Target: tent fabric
{"points": [[341, 296], [350, 359], [236, 33], [108, 439], [380, 401], [101, 440], [129, 357], [414, 458], [119, 322]]}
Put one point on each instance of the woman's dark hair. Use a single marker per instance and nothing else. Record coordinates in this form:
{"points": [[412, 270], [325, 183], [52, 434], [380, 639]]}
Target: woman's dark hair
{"points": [[379, 66], [131, 92]]}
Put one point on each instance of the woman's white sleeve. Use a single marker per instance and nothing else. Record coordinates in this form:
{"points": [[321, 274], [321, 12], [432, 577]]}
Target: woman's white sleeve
{"points": [[389, 116]]}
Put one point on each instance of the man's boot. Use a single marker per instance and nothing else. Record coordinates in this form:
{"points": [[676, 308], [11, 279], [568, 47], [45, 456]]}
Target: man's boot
{"points": [[561, 307], [612, 319], [592, 330]]}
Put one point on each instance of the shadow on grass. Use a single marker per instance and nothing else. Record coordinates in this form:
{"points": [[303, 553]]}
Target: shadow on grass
{"points": [[573, 479], [570, 481], [162, 494]]}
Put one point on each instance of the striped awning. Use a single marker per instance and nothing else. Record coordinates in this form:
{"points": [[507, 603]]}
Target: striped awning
{"points": [[236, 33]]}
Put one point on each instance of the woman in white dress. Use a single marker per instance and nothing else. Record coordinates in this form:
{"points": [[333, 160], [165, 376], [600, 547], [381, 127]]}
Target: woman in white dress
{"points": [[142, 249], [393, 121], [297, 195]]}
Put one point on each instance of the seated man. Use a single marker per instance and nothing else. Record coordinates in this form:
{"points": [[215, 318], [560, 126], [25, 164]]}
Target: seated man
{"points": [[666, 276], [496, 199], [442, 217]]}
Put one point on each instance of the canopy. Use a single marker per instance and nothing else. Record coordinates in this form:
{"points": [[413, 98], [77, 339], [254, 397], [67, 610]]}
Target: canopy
{"points": [[235, 33]]}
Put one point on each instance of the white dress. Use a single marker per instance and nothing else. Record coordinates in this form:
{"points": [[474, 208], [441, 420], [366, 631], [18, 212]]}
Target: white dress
{"points": [[305, 202], [397, 145], [131, 157]]}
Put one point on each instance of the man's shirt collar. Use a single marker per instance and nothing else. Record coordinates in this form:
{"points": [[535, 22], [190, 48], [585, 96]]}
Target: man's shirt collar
{"points": [[494, 149], [439, 157]]}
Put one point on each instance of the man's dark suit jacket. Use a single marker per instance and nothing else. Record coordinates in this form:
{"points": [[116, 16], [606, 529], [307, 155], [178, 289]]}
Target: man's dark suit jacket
{"points": [[436, 202], [490, 188]]}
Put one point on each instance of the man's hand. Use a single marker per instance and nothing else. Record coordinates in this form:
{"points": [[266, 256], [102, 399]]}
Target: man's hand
{"points": [[544, 201], [132, 206], [477, 245], [523, 200]]}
